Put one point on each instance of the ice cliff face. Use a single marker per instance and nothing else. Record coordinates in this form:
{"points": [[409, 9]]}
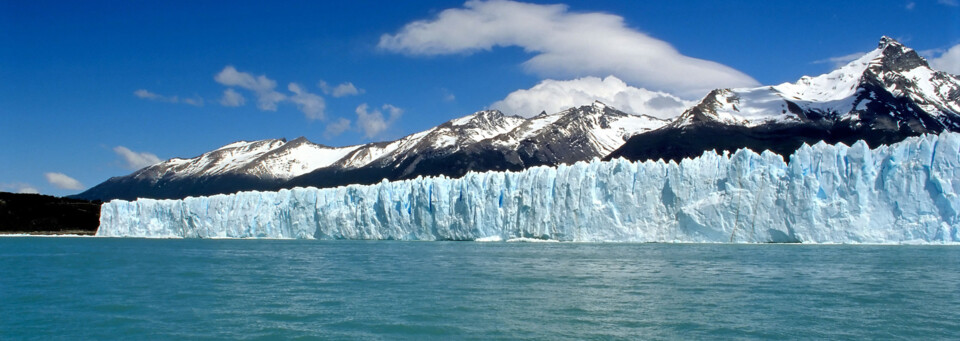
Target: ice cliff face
{"points": [[901, 193]]}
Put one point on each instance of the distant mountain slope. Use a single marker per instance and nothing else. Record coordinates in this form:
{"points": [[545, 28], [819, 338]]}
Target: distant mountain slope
{"points": [[235, 167], [883, 97]]}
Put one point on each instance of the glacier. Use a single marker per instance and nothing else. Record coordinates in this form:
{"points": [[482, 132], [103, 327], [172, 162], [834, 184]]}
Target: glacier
{"points": [[900, 193]]}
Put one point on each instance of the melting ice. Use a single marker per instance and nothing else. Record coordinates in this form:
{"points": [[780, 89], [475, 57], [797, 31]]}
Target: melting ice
{"points": [[902, 193]]}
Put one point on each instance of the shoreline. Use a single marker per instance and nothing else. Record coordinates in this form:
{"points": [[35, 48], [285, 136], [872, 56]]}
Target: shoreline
{"points": [[48, 233]]}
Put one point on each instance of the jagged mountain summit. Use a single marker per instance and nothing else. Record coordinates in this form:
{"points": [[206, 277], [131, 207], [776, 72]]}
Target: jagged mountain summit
{"points": [[882, 97], [486, 140]]}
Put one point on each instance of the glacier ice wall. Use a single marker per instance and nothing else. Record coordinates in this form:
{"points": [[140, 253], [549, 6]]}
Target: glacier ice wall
{"points": [[902, 193]]}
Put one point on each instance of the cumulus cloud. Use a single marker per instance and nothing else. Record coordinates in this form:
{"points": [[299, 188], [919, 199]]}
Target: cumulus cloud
{"points": [[231, 98], [342, 90], [946, 61], [263, 87], [62, 181], [553, 96], [336, 128], [372, 123], [148, 95], [18, 187], [311, 105], [565, 44], [135, 160]]}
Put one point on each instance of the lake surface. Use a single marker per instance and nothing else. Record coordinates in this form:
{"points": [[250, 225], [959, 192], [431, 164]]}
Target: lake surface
{"points": [[94, 288]]}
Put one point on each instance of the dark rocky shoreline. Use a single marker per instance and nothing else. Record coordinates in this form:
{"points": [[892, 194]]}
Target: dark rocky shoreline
{"points": [[47, 215]]}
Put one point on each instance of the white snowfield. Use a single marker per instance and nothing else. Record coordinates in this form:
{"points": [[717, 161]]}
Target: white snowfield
{"points": [[902, 193]]}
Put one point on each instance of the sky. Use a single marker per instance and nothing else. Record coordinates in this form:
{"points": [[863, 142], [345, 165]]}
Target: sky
{"points": [[91, 90]]}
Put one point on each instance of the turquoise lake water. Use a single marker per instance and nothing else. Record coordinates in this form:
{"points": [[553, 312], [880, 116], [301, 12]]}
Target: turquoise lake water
{"points": [[92, 288]]}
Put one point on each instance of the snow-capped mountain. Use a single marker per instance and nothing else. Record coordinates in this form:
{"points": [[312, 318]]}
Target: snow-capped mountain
{"points": [[882, 97], [266, 159], [575, 134], [486, 140], [445, 138], [237, 166]]}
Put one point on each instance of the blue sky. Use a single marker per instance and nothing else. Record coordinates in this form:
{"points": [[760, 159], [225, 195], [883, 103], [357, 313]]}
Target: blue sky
{"points": [[91, 90]]}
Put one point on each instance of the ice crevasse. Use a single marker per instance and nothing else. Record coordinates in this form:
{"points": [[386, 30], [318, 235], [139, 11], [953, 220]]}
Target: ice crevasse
{"points": [[900, 193]]}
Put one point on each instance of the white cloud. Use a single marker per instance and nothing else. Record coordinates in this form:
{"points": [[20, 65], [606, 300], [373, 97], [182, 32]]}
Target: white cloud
{"points": [[946, 61], [18, 187], [135, 160], [336, 128], [147, 94], [372, 123], [553, 96], [565, 44], [263, 87], [28, 190], [232, 98], [952, 3], [63, 181], [911, 5], [196, 101], [837, 62], [342, 90], [447, 95], [311, 105]]}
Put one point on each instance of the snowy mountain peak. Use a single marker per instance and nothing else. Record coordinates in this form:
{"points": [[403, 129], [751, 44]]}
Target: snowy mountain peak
{"points": [[891, 68], [480, 119], [599, 105], [898, 58], [887, 41]]}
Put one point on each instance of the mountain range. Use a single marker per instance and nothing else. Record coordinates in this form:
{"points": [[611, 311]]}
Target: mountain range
{"points": [[883, 97]]}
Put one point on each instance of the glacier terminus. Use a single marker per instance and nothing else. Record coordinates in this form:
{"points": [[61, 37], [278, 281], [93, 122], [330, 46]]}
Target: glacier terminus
{"points": [[900, 193]]}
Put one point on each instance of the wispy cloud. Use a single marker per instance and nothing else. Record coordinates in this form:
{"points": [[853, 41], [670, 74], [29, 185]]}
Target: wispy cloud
{"points": [[341, 90], [952, 3], [553, 96], [62, 181], [263, 87], [447, 95], [135, 160], [18, 187], [839, 61], [565, 44], [336, 128], [372, 123], [311, 105], [196, 101], [945, 60], [148, 95]]}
